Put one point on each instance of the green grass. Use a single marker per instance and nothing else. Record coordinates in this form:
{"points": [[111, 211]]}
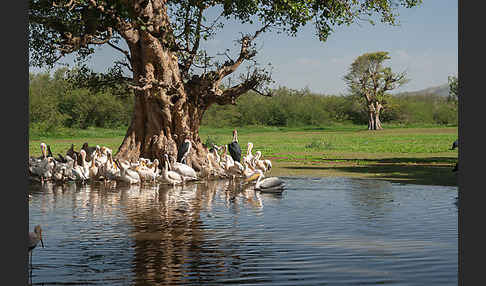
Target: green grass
{"points": [[306, 142], [416, 154]]}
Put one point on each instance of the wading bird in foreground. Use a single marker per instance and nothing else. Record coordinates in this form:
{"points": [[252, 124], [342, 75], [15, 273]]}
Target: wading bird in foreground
{"points": [[34, 238]]}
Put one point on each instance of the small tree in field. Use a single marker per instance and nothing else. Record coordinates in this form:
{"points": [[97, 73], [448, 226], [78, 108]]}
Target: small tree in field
{"points": [[173, 78], [370, 80], [453, 89]]}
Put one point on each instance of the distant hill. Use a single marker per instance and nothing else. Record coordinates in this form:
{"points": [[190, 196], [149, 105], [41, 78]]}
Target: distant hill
{"points": [[440, 90]]}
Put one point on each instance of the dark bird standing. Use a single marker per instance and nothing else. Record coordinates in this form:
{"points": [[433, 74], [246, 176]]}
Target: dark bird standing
{"points": [[455, 144], [183, 151], [234, 148], [71, 153], [49, 153], [89, 151]]}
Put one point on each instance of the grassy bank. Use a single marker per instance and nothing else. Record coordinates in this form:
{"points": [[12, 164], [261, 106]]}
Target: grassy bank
{"points": [[417, 154]]}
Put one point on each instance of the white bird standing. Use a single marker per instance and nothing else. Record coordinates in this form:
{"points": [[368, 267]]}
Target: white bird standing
{"points": [[42, 168], [184, 170], [264, 165], [34, 238], [249, 156], [168, 176], [213, 152], [126, 174], [148, 174]]}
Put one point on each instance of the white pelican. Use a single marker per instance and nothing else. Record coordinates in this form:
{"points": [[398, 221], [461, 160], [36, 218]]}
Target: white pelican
{"points": [[127, 175], [234, 148], [249, 156], [226, 159], [84, 163], [271, 184], [184, 170], [148, 174], [213, 152], [168, 176], [110, 170], [100, 155], [42, 168], [264, 165], [93, 170], [78, 171], [249, 172]]}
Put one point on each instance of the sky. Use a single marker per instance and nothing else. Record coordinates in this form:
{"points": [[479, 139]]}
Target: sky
{"points": [[425, 45]]}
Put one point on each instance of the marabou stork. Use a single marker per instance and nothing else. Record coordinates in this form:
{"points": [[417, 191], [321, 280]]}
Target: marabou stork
{"points": [[234, 148], [183, 151]]}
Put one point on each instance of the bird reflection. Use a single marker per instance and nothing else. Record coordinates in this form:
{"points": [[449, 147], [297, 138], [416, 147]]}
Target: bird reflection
{"points": [[171, 236]]}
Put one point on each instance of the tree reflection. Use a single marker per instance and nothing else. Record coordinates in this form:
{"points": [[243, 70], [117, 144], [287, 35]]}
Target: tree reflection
{"points": [[370, 198], [177, 235], [172, 242]]}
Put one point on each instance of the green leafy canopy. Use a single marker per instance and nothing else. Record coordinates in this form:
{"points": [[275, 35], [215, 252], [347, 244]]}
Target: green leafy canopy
{"points": [[60, 27]]}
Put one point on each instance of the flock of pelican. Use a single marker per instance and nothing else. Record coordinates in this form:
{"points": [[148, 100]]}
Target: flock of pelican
{"points": [[97, 164]]}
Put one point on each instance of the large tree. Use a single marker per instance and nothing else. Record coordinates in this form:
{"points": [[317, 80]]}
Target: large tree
{"points": [[173, 78], [370, 81]]}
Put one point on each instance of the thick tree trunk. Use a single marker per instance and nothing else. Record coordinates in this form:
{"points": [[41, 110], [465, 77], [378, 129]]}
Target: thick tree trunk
{"points": [[374, 122], [163, 116]]}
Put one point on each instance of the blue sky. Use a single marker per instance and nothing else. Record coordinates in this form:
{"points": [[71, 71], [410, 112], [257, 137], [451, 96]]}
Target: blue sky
{"points": [[425, 45]]}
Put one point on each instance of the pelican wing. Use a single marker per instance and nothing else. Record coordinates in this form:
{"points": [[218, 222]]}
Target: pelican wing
{"points": [[184, 170], [271, 183]]}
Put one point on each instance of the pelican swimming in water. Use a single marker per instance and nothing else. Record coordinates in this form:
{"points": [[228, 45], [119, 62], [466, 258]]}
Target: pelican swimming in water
{"points": [[270, 185]]}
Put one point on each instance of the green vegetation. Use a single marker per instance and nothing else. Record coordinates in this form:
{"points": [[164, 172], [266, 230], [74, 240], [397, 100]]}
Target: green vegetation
{"points": [[57, 109], [370, 82], [418, 155], [299, 131], [55, 106]]}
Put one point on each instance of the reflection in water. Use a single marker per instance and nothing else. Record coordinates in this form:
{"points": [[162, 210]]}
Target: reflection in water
{"points": [[319, 231], [370, 198]]}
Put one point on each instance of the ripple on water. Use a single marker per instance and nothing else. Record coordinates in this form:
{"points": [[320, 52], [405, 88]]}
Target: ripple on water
{"points": [[336, 231]]}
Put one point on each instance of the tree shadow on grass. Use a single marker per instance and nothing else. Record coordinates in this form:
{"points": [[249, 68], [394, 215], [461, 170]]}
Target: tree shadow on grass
{"points": [[421, 171]]}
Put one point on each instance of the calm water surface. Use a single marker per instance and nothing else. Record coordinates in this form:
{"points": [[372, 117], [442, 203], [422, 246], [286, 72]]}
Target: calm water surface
{"points": [[320, 231]]}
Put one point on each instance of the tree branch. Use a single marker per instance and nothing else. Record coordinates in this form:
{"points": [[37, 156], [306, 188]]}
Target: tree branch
{"points": [[125, 52], [245, 54]]}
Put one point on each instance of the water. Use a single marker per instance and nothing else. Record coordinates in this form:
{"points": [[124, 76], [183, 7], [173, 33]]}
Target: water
{"points": [[320, 231]]}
